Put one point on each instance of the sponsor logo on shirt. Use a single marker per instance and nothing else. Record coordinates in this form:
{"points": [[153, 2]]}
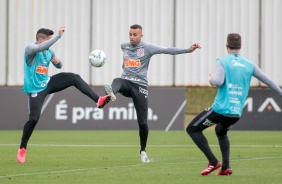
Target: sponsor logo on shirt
{"points": [[132, 63], [41, 70], [236, 63], [125, 56], [132, 78]]}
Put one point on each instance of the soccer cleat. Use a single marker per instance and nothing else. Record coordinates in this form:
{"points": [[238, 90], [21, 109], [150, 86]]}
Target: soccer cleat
{"points": [[103, 100], [144, 157], [227, 171], [211, 168], [109, 91], [21, 155]]}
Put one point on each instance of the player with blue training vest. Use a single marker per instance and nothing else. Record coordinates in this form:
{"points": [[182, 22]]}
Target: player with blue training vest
{"points": [[38, 84], [231, 97], [232, 78]]}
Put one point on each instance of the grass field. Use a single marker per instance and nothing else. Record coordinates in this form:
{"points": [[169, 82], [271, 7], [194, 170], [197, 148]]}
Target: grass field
{"points": [[113, 157]]}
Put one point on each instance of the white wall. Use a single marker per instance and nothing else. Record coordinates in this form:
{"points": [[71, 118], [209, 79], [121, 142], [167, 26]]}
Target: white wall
{"points": [[209, 22], [271, 38], [3, 42], [104, 24], [26, 17]]}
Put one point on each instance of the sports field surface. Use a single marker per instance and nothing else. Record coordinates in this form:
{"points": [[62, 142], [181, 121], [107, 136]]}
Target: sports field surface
{"points": [[67, 157]]}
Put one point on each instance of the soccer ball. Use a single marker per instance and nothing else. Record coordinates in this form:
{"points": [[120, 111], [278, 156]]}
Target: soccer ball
{"points": [[97, 58]]}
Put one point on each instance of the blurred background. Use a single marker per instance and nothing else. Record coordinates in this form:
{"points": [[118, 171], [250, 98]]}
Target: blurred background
{"points": [[104, 24]]}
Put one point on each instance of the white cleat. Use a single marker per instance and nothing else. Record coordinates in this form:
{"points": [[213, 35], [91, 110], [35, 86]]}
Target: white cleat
{"points": [[109, 91], [144, 157]]}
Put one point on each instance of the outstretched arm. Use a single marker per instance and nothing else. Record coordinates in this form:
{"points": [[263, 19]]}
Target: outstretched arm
{"points": [[156, 49], [56, 61], [32, 49], [194, 47], [260, 75]]}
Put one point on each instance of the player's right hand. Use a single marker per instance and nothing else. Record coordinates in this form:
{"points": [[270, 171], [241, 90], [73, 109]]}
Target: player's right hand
{"points": [[61, 30], [210, 78]]}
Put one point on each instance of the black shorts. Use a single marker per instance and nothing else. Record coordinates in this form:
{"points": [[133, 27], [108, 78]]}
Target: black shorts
{"points": [[209, 118], [138, 93]]}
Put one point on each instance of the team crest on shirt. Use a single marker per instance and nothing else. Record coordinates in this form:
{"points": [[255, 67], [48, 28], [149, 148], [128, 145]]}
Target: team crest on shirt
{"points": [[140, 52], [125, 56]]}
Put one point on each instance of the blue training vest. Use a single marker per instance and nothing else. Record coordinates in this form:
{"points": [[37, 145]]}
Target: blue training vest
{"points": [[231, 96], [36, 76]]}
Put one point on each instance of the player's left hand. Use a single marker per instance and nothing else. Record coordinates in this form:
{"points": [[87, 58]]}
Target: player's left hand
{"points": [[55, 60], [194, 47]]}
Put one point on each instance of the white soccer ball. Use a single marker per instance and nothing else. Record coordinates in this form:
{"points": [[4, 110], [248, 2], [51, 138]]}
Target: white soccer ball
{"points": [[97, 58]]}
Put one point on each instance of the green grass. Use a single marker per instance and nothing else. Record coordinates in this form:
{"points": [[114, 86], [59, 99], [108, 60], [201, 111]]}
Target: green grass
{"points": [[113, 157]]}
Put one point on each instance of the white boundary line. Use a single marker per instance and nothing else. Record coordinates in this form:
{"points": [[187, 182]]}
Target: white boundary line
{"points": [[124, 166], [128, 145], [68, 171]]}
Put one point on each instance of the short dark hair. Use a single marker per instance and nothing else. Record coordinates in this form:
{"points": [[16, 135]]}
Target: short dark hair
{"points": [[43, 33], [136, 26], [234, 41]]}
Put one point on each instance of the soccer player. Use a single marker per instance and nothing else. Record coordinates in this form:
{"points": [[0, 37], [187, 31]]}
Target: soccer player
{"points": [[133, 81], [232, 78], [38, 84]]}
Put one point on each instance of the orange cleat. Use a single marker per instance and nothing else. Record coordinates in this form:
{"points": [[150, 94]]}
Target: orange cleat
{"points": [[21, 155], [210, 168]]}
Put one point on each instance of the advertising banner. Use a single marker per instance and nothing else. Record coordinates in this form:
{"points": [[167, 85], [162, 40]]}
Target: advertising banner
{"points": [[262, 111], [72, 110]]}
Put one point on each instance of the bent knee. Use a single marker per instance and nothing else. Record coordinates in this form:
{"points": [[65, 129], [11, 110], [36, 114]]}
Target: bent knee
{"points": [[189, 130], [117, 80], [220, 131], [75, 76]]}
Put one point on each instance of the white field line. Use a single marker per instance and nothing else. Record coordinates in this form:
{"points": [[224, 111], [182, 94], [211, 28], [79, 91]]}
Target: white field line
{"points": [[125, 166], [68, 171], [150, 145]]}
